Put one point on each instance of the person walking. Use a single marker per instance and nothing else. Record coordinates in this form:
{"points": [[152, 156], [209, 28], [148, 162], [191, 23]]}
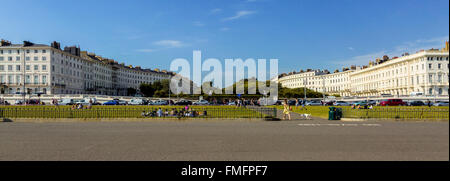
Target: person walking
{"points": [[286, 110], [304, 105]]}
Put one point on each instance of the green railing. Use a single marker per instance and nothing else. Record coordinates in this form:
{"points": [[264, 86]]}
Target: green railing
{"points": [[398, 113], [136, 112]]}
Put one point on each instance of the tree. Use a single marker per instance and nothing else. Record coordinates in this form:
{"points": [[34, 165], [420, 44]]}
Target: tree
{"points": [[131, 91]]}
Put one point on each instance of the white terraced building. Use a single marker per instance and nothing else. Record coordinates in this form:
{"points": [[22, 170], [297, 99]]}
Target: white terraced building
{"points": [[38, 68], [426, 71]]}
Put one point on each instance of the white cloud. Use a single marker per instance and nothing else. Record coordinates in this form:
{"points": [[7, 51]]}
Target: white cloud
{"points": [[169, 43], [163, 44], [350, 48], [215, 11], [199, 24], [238, 15], [147, 50]]}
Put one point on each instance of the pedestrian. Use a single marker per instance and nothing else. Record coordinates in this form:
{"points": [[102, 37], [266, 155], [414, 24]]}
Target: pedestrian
{"points": [[296, 103], [429, 103], [304, 104], [286, 110]]}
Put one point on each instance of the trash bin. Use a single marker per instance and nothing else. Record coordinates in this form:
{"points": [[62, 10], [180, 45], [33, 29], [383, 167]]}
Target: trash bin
{"points": [[332, 113], [338, 113]]}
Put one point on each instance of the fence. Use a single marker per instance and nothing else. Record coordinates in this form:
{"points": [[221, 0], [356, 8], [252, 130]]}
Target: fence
{"points": [[398, 113], [136, 112]]}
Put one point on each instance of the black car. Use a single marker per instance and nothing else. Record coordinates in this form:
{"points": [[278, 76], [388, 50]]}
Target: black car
{"points": [[291, 102], [183, 103], [416, 103]]}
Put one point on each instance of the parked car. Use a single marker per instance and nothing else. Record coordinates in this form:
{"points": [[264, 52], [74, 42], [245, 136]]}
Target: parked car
{"points": [[416, 103], [314, 103], [392, 102], [138, 102], [441, 103], [80, 101], [361, 103], [184, 103], [372, 102], [291, 102], [111, 102], [160, 102], [93, 100], [201, 102], [18, 102], [122, 102], [66, 102], [341, 103]]}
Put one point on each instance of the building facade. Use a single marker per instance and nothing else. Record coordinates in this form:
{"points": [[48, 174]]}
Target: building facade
{"points": [[426, 72], [37, 68]]}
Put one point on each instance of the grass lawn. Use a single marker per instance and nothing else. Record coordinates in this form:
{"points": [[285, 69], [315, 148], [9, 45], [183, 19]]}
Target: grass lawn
{"points": [[129, 111], [393, 112]]}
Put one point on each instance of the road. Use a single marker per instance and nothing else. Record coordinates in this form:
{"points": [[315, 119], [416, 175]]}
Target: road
{"points": [[227, 140]]}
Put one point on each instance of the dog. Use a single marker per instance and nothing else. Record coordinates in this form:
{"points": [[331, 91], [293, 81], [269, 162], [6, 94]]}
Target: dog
{"points": [[306, 116]]}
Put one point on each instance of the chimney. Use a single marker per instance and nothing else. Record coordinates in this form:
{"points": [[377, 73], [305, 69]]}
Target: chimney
{"points": [[5, 43]]}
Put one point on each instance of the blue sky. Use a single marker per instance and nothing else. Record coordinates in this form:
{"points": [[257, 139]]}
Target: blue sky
{"points": [[300, 33]]}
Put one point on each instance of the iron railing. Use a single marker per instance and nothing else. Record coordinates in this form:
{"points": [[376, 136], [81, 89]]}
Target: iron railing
{"points": [[397, 113], [136, 112]]}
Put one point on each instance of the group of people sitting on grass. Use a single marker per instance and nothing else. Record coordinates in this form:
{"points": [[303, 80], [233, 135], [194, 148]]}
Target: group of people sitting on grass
{"points": [[185, 112], [80, 106], [362, 107]]}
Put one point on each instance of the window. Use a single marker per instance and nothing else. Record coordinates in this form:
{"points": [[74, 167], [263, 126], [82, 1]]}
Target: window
{"points": [[430, 78], [36, 79], [10, 58], [440, 91], [27, 79], [36, 67], [9, 67], [18, 77], [1, 58], [53, 68], [27, 67], [27, 58], [44, 51], [17, 58], [2, 67], [44, 67], [44, 58], [44, 79], [2, 79], [439, 78], [10, 79], [9, 51], [35, 51], [430, 91], [430, 66], [1, 51], [35, 58], [439, 66], [28, 51], [17, 67]]}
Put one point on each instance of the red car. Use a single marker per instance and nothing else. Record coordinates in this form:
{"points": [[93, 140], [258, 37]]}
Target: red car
{"points": [[392, 102]]}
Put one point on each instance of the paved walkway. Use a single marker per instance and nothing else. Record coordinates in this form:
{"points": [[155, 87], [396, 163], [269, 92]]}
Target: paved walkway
{"points": [[294, 115]]}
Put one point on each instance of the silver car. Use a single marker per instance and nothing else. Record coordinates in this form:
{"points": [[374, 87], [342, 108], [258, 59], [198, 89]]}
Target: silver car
{"points": [[441, 103], [341, 103]]}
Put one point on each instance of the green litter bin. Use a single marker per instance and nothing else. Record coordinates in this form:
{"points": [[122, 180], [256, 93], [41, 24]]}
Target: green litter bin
{"points": [[332, 113], [338, 113]]}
